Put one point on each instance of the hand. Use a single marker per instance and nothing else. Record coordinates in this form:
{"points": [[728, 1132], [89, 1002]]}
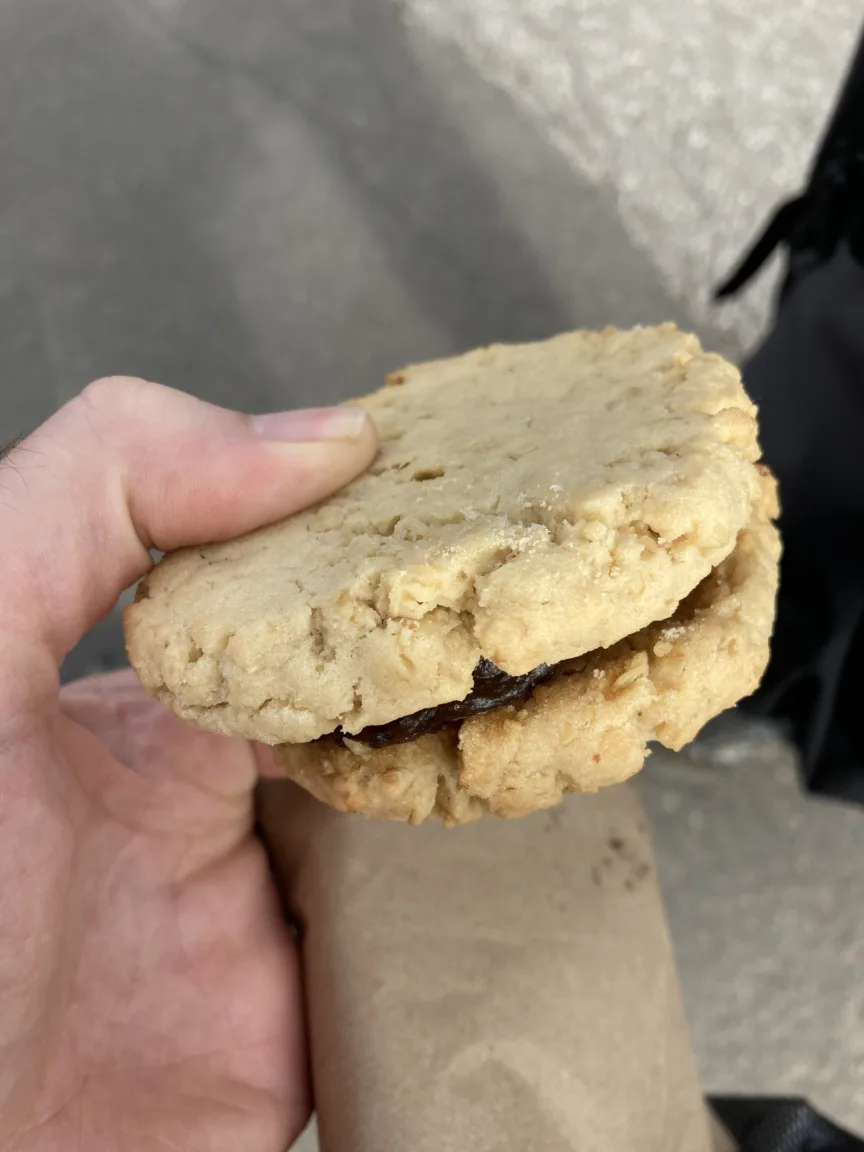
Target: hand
{"points": [[149, 987]]}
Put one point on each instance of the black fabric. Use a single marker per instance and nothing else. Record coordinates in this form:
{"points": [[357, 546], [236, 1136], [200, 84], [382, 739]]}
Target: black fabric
{"points": [[808, 380], [779, 1125]]}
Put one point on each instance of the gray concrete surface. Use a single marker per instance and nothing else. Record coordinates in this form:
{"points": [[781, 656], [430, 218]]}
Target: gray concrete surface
{"points": [[764, 888], [273, 202]]}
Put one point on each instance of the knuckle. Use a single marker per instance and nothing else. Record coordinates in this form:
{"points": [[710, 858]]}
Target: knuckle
{"points": [[112, 393]]}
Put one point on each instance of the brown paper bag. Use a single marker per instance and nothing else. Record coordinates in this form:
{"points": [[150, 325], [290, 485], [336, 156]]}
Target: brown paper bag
{"points": [[505, 986]]}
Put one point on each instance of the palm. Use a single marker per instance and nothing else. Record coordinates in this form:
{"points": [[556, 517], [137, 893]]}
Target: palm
{"points": [[165, 1009]]}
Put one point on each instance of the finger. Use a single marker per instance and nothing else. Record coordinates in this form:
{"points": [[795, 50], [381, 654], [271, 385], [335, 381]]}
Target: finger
{"points": [[265, 762], [152, 773], [128, 466], [144, 737]]}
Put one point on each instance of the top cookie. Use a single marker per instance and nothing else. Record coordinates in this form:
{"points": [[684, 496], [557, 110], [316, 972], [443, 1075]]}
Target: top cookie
{"points": [[530, 503]]}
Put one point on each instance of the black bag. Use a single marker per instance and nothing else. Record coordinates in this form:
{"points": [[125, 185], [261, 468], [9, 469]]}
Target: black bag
{"points": [[808, 380], [767, 1125]]}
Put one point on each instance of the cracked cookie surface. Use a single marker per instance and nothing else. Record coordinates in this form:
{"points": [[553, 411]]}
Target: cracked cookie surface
{"points": [[530, 503], [590, 725]]}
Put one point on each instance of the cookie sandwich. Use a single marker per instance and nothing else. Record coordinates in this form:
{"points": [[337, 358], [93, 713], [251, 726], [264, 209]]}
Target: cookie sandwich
{"points": [[563, 552]]}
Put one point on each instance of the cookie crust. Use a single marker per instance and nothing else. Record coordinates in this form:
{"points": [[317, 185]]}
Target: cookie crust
{"points": [[591, 725], [530, 504]]}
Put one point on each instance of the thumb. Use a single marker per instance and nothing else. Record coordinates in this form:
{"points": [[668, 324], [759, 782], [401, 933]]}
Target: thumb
{"points": [[127, 466]]}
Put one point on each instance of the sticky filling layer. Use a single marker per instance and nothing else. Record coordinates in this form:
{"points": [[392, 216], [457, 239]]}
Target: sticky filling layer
{"points": [[492, 689]]}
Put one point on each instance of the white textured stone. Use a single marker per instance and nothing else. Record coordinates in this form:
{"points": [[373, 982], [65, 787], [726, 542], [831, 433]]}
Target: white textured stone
{"points": [[700, 114]]}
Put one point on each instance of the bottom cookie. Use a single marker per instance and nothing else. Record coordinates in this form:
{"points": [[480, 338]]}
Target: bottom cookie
{"points": [[587, 727]]}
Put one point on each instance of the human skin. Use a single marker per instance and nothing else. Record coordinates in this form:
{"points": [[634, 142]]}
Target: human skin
{"points": [[149, 986]]}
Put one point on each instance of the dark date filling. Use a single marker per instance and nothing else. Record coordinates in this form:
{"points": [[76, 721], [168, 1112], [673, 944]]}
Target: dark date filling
{"points": [[492, 689]]}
